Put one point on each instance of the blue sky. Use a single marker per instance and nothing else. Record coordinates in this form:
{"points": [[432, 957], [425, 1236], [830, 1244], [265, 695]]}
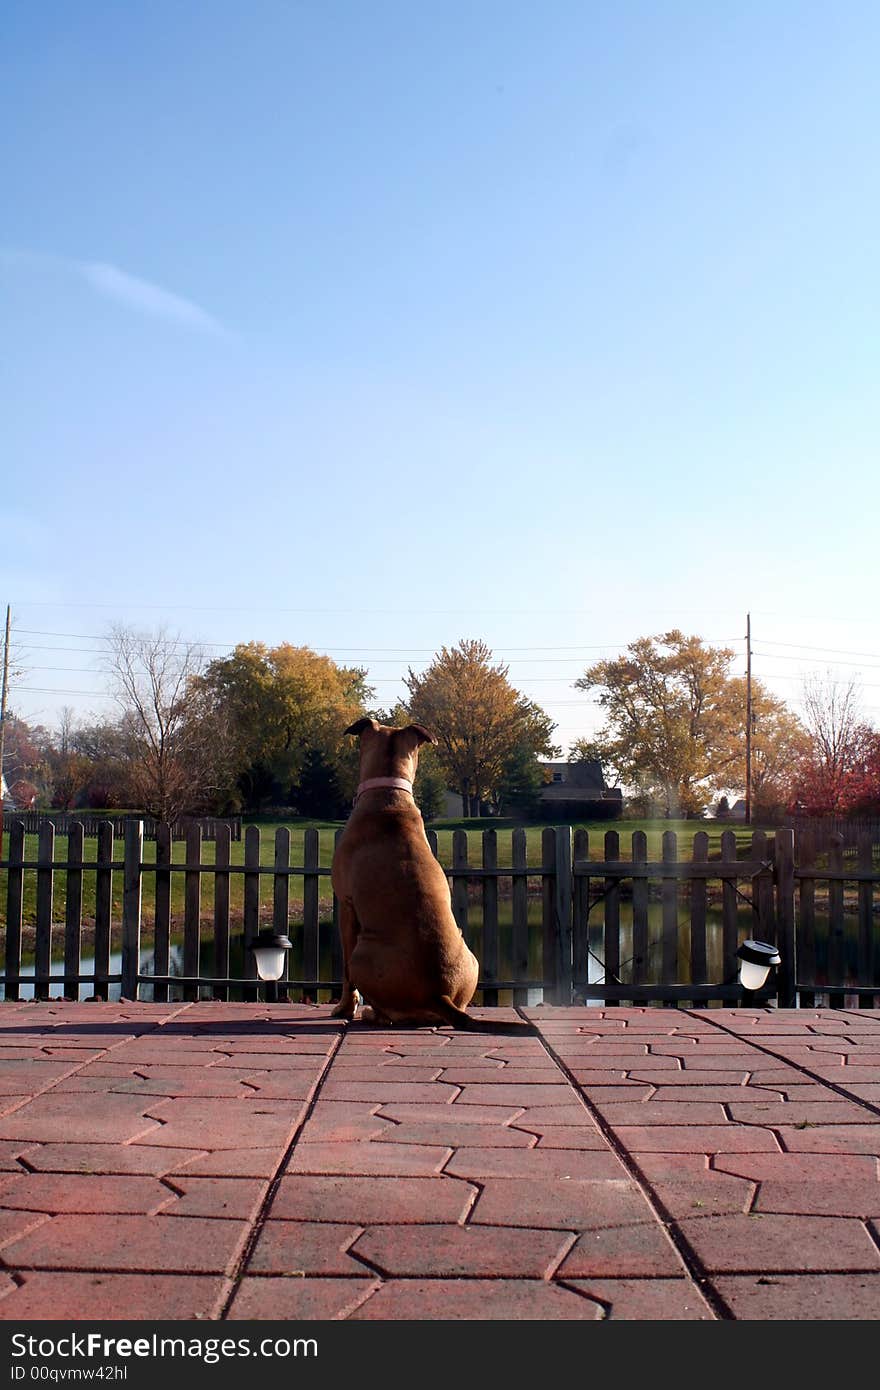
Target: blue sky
{"points": [[375, 326]]}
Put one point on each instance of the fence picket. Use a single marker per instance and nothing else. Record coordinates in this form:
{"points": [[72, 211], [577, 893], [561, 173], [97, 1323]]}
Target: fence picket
{"points": [[73, 912], [866, 951], [699, 963], [836, 926], [640, 911], [222, 857], [45, 889], [669, 892], [459, 880], [489, 944], [336, 965], [132, 881], [14, 911], [786, 934], [251, 906], [580, 926], [281, 894], [520, 931], [192, 910], [729, 923], [611, 889], [103, 909], [806, 933], [311, 924], [162, 914]]}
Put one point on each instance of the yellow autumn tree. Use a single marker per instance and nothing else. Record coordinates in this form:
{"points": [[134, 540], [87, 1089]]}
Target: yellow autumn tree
{"points": [[482, 723]]}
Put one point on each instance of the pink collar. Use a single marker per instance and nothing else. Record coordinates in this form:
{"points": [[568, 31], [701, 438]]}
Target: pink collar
{"points": [[371, 782]]}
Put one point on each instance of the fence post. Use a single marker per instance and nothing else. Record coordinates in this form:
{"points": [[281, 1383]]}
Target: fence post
{"points": [[131, 907], [785, 925], [563, 904]]}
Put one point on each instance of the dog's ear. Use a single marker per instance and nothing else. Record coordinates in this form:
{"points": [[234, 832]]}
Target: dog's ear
{"points": [[359, 725], [422, 735]]}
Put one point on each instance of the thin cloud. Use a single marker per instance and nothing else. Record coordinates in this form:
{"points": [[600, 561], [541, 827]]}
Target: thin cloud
{"points": [[129, 290]]}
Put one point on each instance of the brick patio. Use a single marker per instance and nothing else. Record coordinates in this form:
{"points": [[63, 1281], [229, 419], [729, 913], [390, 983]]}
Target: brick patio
{"points": [[267, 1162]]}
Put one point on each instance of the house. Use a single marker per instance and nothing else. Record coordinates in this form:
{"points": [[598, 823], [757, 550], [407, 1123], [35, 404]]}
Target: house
{"points": [[5, 795], [577, 790]]}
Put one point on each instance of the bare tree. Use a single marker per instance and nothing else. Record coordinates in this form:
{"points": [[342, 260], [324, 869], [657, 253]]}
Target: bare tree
{"points": [[170, 737], [836, 730]]}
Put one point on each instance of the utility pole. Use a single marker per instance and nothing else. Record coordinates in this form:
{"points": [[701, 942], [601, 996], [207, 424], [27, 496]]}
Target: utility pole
{"points": [[748, 719], [3, 718]]}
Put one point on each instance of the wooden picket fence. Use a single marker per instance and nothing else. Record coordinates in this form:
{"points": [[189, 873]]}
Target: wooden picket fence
{"points": [[618, 928]]}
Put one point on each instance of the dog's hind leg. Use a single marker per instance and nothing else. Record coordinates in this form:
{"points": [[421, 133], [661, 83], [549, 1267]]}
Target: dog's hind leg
{"points": [[349, 928]]}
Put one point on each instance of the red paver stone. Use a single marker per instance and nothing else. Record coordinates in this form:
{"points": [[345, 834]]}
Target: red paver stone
{"points": [[540, 1118], [693, 1080], [455, 1251], [857, 1139], [23, 1078], [274, 1062], [502, 1093], [801, 1297], [106, 1158], [380, 1089], [475, 1300], [369, 1157], [155, 1244], [365, 1200], [844, 1198], [304, 1247], [560, 1137], [111, 1297], [468, 1077], [215, 1196], [340, 1120], [535, 1163], [560, 1204], [643, 1300], [14, 1224], [109, 1119], [716, 1196], [669, 1113], [439, 1114], [864, 1092], [9, 1152], [238, 1163], [451, 1134], [628, 1063], [628, 1093], [736, 1244], [791, 1113], [401, 1072], [67, 1192], [216, 1124], [299, 1300], [697, 1139], [623, 1252], [792, 1167]]}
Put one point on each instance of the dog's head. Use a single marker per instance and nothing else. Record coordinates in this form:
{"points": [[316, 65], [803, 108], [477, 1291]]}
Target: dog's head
{"points": [[389, 752]]}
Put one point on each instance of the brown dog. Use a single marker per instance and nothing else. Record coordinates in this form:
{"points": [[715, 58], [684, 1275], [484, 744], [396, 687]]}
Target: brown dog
{"points": [[402, 948]]}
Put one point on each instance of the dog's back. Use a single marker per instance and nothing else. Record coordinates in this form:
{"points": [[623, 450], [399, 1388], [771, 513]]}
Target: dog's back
{"points": [[404, 950]]}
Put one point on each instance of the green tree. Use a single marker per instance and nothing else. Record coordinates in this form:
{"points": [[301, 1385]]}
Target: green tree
{"points": [[478, 718], [518, 791], [281, 704]]}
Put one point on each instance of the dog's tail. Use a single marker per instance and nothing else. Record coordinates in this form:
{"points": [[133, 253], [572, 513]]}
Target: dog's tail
{"points": [[459, 1018]]}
